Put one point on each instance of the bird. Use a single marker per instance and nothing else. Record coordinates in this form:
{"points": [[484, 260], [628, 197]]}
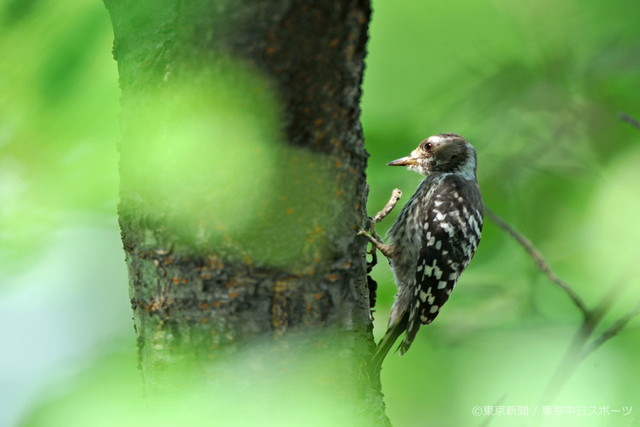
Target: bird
{"points": [[433, 238]]}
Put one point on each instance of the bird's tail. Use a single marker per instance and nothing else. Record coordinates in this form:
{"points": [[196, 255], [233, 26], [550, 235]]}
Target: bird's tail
{"points": [[387, 342]]}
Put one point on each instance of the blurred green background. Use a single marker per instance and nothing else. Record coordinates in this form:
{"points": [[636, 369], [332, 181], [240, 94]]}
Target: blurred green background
{"points": [[537, 87]]}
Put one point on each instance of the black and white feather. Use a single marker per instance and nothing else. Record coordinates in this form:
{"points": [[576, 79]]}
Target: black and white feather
{"points": [[434, 237]]}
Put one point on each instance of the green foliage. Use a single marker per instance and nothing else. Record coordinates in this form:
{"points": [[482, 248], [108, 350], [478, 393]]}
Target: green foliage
{"points": [[58, 122], [536, 86], [263, 385]]}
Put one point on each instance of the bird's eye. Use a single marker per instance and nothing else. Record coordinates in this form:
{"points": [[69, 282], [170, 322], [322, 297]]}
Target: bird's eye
{"points": [[427, 146]]}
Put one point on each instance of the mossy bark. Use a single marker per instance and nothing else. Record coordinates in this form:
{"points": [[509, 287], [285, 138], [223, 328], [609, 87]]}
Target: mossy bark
{"points": [[242, 189]]}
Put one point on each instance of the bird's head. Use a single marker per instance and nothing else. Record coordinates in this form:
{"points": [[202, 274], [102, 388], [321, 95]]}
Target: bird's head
{"points": [[445, 153]]}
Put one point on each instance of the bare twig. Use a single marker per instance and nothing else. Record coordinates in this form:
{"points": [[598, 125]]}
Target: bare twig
{"points": [[395, 196], [369, 230], [612, 331], [568, 364], [542, 264], [598, 312], [627, 118], [578, 351], [578, 348]]}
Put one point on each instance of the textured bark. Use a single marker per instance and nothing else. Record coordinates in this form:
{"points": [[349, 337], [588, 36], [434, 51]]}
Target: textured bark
{"points": [[292, 281]]}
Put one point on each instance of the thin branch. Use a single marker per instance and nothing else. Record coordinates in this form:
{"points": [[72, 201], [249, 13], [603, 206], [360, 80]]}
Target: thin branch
{"points": [[395, 196], [542, 264], [612, 331], [627, 118], [578, 349], [369, 230], [598, 312], [568, 364]]}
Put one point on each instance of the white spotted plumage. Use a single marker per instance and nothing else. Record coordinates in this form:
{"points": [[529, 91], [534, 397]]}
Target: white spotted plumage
{"points": [[434, 237]]}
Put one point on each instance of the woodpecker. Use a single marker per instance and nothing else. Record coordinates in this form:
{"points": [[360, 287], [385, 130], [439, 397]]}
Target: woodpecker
{"points": [[434, 237]]}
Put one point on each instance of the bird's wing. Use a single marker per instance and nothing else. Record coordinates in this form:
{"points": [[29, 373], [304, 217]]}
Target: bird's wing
{"points": [[451, 233]]}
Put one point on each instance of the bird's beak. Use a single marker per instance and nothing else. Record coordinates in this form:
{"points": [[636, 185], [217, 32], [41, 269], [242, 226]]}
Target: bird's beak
{"points": [[405, 161]]}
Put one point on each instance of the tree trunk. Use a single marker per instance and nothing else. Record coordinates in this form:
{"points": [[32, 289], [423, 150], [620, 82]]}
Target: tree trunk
{"points": [[242, 189]]}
